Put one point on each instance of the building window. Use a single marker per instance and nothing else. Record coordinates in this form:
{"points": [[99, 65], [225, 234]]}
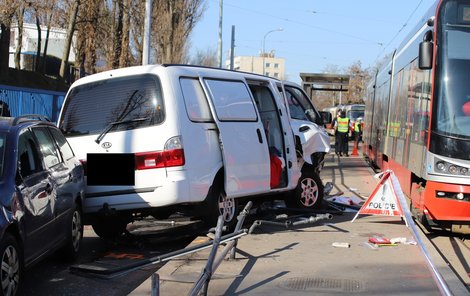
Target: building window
{"points": [[276, 65], [12, 39], [267, 74], [268, 65], [276, 75]]}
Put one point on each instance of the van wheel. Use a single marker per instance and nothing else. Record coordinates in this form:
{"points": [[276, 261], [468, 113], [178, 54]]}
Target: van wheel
{"points": [[74, 235], [220, 204], [109, 227], [309, 192], [11, 265]]}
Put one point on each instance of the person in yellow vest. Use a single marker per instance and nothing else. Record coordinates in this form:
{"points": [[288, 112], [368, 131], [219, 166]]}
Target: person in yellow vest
{"points": [[335, 127], [343, 133], [358, 130]]}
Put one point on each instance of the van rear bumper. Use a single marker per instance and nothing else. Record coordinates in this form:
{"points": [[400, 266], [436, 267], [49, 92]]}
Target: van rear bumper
{"points": [[169, 193]]}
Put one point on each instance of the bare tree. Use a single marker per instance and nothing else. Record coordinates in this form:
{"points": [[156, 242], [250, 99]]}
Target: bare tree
{"points": [[19, 45], [173, 21], [118, 14], [38, 50], [49, 11], [124, 57], [70, 30], [206, 58], [358, 78], [7, 11]]}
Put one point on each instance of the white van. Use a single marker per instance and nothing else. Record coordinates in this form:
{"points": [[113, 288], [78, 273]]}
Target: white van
{"points": [[158, 138]]}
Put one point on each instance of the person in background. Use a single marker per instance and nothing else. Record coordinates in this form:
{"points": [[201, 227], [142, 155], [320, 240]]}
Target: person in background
{"points": [[358, 131], [334, 124], [343, 131]]}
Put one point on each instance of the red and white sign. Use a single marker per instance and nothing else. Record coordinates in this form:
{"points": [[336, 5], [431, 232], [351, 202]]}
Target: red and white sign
{"points": [[383, 200]]}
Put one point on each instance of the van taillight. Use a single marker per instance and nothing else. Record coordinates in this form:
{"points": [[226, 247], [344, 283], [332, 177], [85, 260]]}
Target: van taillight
{"points": [[162, 159], [84, 165]]}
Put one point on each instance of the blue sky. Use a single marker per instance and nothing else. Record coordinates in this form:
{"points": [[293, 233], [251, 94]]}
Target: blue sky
{"points": [[315, 33]]}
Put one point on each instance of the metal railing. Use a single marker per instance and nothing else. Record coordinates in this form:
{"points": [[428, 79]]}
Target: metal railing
{"points": [[212, 263]]}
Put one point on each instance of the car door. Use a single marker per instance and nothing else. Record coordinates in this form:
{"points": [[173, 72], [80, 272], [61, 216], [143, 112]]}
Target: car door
{"points": [[243, 139], [36, 189], [61, 175]]}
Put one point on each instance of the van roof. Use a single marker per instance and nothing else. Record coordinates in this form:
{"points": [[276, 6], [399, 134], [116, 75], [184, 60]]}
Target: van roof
{"points": [[148, 69]]}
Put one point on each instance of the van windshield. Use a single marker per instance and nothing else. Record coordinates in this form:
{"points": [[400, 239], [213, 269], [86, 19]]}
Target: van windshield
{"points": [[91, 108]]}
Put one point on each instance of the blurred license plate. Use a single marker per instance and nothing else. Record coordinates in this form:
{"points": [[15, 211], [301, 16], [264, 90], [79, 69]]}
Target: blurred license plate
{"points": [[110, 169]]}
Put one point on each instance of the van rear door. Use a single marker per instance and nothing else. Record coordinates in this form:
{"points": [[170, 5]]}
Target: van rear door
{"points": [[243, 139]]}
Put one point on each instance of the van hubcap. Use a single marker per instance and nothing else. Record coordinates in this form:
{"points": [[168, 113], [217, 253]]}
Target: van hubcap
{"points": [[309, 193], [226, 207]]}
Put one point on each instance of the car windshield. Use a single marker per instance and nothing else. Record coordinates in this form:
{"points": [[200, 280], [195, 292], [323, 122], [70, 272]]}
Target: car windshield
{"points": [[93, 108], [2, 152]]}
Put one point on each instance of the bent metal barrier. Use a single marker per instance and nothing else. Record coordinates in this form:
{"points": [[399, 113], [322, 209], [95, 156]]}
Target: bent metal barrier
{"points": [[107, 273]]}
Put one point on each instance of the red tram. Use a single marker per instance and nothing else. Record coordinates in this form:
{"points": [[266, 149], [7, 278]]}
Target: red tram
{"points": [[417, 118]]}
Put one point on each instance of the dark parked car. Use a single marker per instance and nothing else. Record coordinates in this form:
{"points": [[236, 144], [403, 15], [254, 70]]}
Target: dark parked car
{"points": [[41, 192]]}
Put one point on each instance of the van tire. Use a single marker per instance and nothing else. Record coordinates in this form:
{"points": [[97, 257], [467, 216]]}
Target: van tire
{"points": [[309, 191], [109, 227], [218, 204]]}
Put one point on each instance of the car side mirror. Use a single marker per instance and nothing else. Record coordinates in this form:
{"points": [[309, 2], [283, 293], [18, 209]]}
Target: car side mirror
{"points": [[326, 117]]}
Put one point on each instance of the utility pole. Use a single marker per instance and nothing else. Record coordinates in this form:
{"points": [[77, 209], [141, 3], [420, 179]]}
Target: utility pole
{"points": [[147, 25], [232, 48], [219, 52]]}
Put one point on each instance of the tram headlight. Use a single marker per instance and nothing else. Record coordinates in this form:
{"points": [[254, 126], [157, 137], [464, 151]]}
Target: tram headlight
{"points": [[441, 166], [444, 167], [453, 170]]}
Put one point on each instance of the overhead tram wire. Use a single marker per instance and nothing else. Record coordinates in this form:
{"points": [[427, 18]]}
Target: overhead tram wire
{"points": [[302, 24], [399, 31]]}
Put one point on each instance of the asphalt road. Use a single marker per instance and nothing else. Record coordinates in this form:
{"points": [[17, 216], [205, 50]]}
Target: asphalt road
{"points": [[146, 239], [150, 238]]}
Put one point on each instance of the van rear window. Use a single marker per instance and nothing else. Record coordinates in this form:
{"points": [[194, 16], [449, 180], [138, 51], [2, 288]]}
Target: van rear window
{"points": [[118, 103]]}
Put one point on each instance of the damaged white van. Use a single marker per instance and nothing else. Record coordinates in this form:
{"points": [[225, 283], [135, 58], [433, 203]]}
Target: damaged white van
{"points": [[160, 138]]}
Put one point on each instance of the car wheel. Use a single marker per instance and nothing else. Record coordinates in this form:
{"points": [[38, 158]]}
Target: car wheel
{"points": [[308, 193], [11, 268], [74, 235], [109, 227], [220, 204]]}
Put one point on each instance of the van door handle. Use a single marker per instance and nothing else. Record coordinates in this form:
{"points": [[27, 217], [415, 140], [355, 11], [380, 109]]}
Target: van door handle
{"points": [[260, 138]]}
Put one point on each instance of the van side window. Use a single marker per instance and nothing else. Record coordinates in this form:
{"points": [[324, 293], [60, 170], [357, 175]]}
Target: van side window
{"points": [[300, 106], [195, 100], [232, 100], [269, 115]]}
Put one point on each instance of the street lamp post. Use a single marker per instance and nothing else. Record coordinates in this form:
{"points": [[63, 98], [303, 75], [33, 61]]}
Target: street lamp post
{"points": [[264, 43]]}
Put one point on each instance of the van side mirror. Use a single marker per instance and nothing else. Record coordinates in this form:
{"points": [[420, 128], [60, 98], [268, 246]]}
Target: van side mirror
{"points": [[326, 117], [426, 48]]}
